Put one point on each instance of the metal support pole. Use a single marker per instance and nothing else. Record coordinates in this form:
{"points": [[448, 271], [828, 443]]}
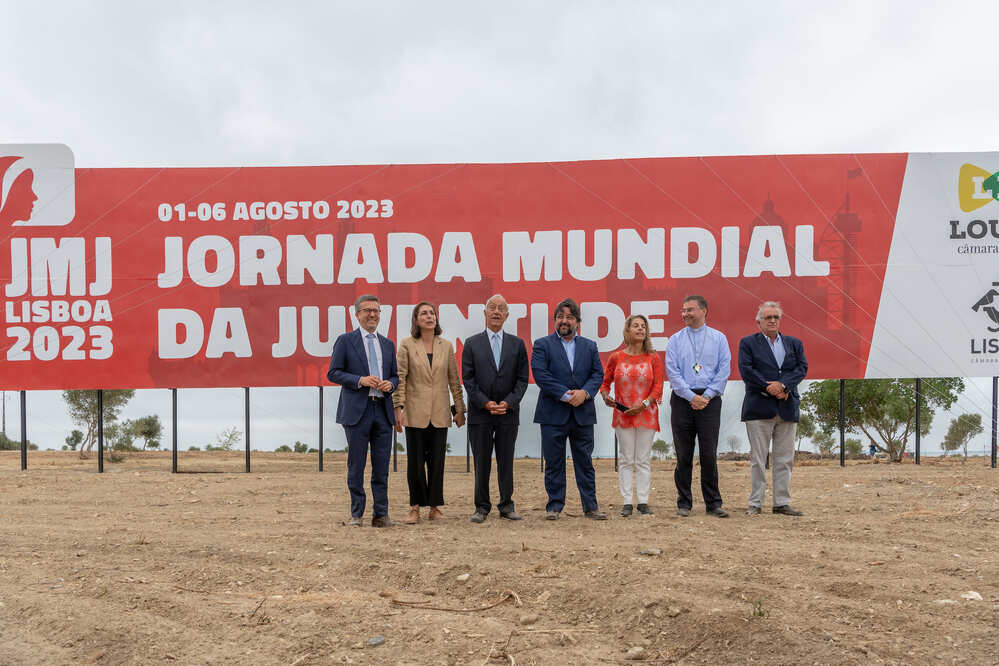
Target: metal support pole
{"points": [[995, 417], [615, 450], [173, 396], [100, 430], [24, 430], [246, 413], [919, 399], [842, 423], [320, 428]]}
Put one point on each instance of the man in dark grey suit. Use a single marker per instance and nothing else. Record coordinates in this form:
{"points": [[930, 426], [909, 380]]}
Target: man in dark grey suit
{"points": [[772, 365], [495, 374]]}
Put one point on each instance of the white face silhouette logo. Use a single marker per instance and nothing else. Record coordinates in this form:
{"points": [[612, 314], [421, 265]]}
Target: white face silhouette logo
{"points": [[37, 185]]}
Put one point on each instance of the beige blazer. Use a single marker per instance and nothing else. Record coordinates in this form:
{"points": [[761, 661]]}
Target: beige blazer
{"points": [[424, 390]]}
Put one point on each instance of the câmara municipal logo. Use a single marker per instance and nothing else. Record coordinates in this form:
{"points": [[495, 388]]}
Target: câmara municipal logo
{"points": [[37, 185]]}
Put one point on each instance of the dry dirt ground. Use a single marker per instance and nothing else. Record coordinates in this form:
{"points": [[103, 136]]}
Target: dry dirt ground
{"points": [[139, 565]]}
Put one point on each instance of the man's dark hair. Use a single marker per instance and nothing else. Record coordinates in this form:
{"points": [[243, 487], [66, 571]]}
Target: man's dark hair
{"points": [[571, 305], [363, 298], [701, 301]]}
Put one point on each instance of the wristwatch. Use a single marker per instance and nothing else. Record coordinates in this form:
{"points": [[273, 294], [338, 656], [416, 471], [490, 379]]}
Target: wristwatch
{"points": [[646, 403]]}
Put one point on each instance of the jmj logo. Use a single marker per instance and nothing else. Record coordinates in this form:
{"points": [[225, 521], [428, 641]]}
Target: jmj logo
{"points": [[976, 187], [37, 186]]}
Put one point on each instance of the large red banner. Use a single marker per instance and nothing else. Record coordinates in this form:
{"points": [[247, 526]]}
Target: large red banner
{"points": [[245, 276]]}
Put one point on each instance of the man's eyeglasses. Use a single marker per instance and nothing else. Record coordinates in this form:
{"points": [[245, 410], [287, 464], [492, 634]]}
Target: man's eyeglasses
{"points": [[771, 317], [370, 310]]}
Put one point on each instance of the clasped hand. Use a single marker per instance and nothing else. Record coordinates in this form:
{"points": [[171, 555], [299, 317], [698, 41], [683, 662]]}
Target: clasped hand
{"points": [[370, 381]]}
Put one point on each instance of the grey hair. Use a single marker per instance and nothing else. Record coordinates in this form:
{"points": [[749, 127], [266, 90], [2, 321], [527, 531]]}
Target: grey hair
{"points": [[364, 298], [506, 306], [766, 305]]}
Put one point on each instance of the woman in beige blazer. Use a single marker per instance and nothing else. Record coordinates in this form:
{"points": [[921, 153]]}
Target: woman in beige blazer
{"points": [[427, 370]]}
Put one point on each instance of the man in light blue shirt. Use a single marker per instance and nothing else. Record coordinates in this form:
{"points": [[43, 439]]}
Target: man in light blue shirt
{"points": [[698, 363]]}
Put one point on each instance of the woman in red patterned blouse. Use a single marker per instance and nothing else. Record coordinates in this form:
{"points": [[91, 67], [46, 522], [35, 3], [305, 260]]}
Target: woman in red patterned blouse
{"points": [[637, 374]]}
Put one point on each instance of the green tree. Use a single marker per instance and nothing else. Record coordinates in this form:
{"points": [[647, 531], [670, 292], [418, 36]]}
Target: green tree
{"points": [[82, 407], [8, 444], [661, 448], [882, 409], [149, 430], [74, 440], [806, 428], [824, 442], [853, 446], [284, 448], [228, 439], [961, 431], [301, 448]]}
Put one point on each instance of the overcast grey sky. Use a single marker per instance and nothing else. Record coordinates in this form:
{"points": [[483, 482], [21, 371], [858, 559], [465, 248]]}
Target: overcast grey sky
{"points": [[254, 83]]}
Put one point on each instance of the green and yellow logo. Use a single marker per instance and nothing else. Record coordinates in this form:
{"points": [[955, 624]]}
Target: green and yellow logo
{"points": [[976, 187]]}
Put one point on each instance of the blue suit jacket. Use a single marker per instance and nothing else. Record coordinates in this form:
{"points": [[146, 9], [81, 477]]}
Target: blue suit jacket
{"points": [[758, 366], [553, 376], [348, 364]]}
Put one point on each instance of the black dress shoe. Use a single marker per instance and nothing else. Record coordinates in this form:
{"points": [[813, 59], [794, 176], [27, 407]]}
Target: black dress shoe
{"points": [[753, 511], [551, 515], [644, 509], [595, 515], [788, 510], [478, 517], [626, 510], [718, 512], [511, 515], [382, 521], [683, 512]]}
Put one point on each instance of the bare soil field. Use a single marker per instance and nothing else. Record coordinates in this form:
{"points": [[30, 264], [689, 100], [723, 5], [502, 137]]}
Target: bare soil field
{"points": [[213, 565]]}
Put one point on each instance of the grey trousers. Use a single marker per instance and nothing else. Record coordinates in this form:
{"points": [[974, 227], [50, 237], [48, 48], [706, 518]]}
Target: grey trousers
{"points": [[761, 432]]}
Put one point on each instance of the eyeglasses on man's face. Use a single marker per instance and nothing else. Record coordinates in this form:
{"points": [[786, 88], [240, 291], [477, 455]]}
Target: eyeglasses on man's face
{"points": [[771, 317], [370, 311]]}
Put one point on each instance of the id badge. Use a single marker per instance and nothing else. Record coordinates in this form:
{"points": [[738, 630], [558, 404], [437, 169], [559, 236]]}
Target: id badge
{"points": [[697, 368]]}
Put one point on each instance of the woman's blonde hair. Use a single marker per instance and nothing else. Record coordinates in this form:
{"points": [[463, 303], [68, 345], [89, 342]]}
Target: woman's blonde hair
{"points": [[647, 343]]}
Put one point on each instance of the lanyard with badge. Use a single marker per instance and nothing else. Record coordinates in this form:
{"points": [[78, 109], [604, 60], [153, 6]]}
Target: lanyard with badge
{"points": [[696, 367]]}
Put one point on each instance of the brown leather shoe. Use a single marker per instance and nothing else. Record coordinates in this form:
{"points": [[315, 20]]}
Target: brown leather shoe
{"points": [[414, 516], [382, 521], [435, 514]]}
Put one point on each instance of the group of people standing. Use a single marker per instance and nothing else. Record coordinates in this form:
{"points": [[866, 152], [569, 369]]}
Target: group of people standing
{"points": [[418, 389]]}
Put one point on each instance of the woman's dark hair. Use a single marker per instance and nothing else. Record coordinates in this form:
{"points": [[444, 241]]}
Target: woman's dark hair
{"points": [[415, 331]]}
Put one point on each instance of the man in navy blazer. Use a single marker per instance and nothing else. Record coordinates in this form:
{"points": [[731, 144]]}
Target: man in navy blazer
{"points": [[364, 365], [568, 373], [495, 374], [772, 365]]}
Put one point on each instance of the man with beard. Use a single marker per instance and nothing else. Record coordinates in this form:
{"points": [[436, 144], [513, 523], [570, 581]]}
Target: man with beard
{"points": [[568, 373]]}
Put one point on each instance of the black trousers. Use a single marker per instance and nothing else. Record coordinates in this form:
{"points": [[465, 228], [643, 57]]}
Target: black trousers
{"points": [[486, 438], [703, 424], [426, 449]]}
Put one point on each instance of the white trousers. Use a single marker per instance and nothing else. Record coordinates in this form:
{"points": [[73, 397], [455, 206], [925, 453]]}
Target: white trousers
{"points": [[635, 451], [761, 432]]}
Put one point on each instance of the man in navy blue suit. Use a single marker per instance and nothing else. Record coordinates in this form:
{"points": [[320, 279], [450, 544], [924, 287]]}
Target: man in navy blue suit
{"points": [[568, 373], [772, 365], [363, 364]]}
